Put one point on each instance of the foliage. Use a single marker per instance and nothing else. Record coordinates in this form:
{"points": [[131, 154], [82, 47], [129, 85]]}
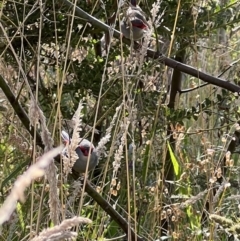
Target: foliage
{"points": [[51, 54]]}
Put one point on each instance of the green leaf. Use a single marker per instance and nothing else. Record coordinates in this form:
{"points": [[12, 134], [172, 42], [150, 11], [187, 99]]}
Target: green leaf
{"points": [[20, 215], [176, 167], [14, 173]]}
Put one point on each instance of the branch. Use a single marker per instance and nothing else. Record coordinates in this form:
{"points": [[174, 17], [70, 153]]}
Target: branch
{"points": [[155, 55], [202, 85], [111, 211], [192, 89], [19, 111]]}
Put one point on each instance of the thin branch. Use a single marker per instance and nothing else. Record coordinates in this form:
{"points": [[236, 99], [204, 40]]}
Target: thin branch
{"points": [[202, 85], [192, 89]]}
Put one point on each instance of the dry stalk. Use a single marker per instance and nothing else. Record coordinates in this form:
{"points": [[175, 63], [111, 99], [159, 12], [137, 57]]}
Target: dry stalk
{"points": [[36, 115], [61, 232], [35, 171]]}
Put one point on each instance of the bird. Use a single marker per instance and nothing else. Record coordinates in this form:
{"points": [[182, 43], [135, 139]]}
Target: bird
{"points": [[138, 29], [135, 22], [83, 151]]}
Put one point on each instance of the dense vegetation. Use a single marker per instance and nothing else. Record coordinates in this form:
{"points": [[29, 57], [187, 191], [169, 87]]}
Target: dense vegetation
{"points": [[164, 114]]}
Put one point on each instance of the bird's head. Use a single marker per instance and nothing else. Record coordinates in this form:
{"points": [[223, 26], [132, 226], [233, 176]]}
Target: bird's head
{"points": [[85, 151], [86, 147]]}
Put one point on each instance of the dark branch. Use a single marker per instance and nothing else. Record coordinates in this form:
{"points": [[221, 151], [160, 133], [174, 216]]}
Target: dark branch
{"points": [[111, 211], [192, 89], [19, 110]]}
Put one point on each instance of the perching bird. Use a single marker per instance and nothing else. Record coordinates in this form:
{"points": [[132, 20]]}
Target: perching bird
{"points": [[84, 149], [135, 22]]}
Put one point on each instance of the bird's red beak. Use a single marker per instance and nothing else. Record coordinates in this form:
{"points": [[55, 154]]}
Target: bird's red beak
{"points": [[85, 150], [142, 26]]}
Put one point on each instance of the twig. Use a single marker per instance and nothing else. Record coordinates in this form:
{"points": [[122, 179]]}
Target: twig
{"points": [[202, 85]]}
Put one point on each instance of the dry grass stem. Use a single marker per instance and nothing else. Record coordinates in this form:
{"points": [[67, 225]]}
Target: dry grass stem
{"points": [[119, 152], [36, 115], [193, 199], [35, 171], [61, 231], [101, 148], [221, 189], [225, 222], [77, 188], [70, 159]]}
